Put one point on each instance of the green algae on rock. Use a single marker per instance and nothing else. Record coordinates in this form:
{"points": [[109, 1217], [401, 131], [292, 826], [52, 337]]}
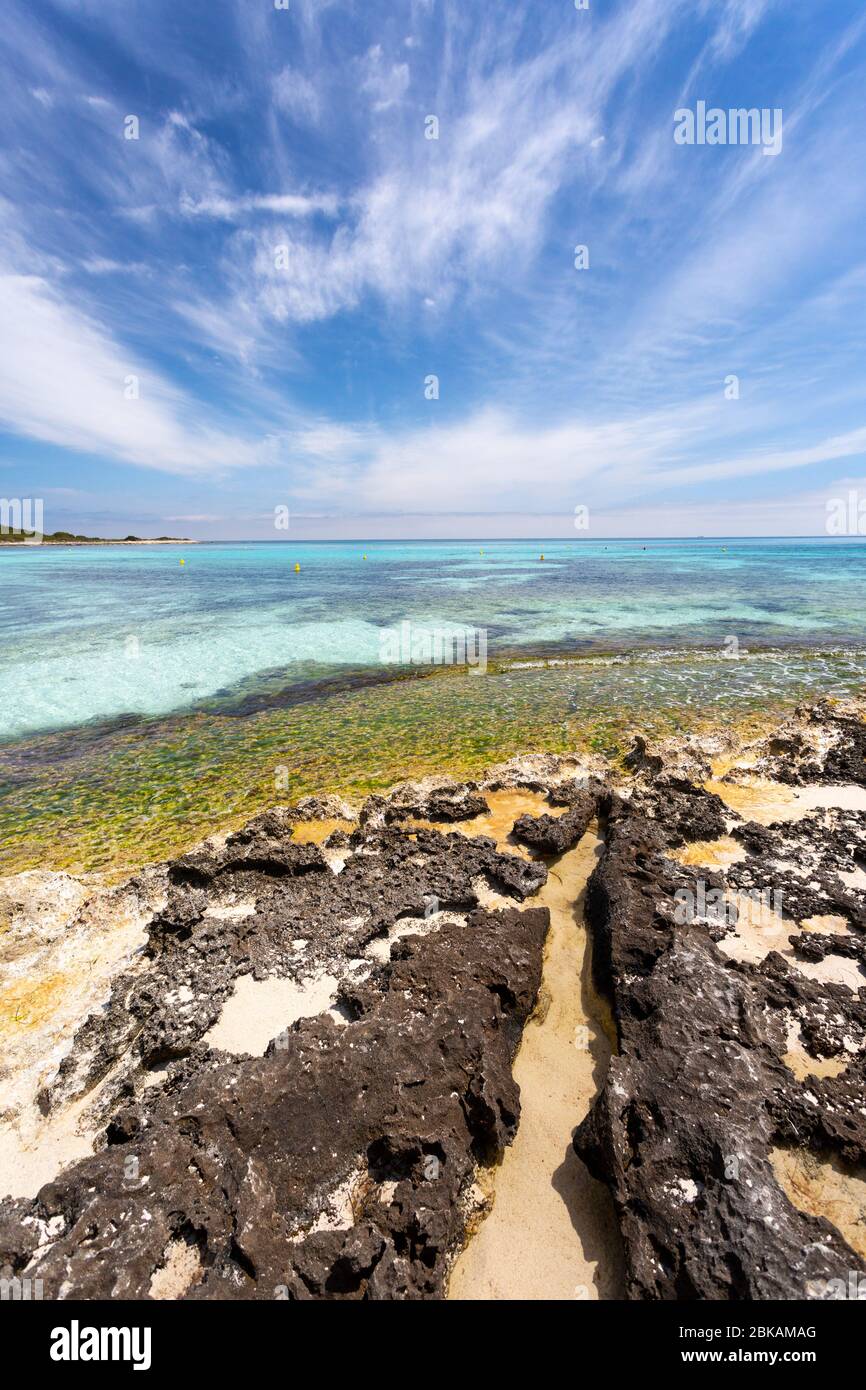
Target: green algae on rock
{"points": [[107, 796]]}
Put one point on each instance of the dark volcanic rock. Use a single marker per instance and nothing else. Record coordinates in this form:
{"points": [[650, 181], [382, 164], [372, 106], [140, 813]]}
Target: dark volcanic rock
{"points": [[245, 908], [803, 862], [687, 813], [339, 1164], [699, 1095], [556, 834], [820, 743], [442, 805], [453, 801], [237, 1159]]}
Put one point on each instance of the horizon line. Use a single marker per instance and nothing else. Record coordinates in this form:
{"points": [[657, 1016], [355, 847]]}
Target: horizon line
{"points": [[466, 540]]}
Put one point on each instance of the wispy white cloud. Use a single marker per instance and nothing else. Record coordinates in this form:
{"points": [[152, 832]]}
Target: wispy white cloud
{"points": [[65, 381], [104, 265], [296, 94], [285, 204], [735, 22], [282, 232], [459, 210], [761, 462], [384, 82], [491, 462]]}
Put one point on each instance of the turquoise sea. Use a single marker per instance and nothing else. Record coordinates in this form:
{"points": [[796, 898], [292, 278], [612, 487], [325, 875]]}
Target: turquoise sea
{"points": [[151, 694], [97, 633]]}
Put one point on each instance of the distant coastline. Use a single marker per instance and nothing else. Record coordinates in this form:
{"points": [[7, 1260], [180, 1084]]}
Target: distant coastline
{"points": [[16, 538]]}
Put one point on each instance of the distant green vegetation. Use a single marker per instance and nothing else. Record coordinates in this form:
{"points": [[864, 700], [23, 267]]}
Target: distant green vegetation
{"points": [[67, 538]]}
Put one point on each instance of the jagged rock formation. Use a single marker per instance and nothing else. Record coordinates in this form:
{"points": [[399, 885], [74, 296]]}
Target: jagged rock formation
{"points": [[703, 1096], [556, 834], [334, 1154], [824, 742], [340, 1163], [228, 1173]]}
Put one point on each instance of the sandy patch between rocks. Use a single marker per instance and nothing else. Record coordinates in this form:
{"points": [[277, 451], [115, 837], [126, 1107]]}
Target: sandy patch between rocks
{"points": [[259, 1010], [181, 1270], [61, 943], [315, 832], [505, 808], [759, 930], [766, 802], [825, 1188], [803, 1064], [710, 854], [33, 1151], [551, 1232], [379, 949]]}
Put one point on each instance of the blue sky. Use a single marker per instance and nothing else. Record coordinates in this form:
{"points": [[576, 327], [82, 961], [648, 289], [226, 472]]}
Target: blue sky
{"points": [[298, 136]]}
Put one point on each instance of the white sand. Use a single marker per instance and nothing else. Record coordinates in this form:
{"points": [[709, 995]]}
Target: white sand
{"points": [[182, 1269], [380, 949], [759, 931], [829, 1189], [803, 1064], [764, 801], [61, 941], [34, 1150], [260, 1009], [551, 1232]]}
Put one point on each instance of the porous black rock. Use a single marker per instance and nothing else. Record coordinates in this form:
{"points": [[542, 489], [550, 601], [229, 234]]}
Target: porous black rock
{"points": [[699, 1096], [555, 834], [340, 1163], [235, 1159]]}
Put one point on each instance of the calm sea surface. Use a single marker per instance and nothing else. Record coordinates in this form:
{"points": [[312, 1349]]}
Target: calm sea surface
{"points": [[95, 633], [144, 702]]}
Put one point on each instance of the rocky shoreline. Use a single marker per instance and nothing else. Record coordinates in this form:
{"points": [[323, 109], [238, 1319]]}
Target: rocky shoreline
{"points": [[277, 1066]]}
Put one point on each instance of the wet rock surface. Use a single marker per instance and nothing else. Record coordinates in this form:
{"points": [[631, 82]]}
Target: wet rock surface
{"points": [[700, 1094]]}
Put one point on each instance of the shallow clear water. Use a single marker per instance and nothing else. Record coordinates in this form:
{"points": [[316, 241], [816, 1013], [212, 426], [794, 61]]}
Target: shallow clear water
{"points": [[248, 685], [96, 633]]}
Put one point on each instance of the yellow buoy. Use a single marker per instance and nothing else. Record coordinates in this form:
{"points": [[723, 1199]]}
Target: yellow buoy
{"points": [[183, 562], [541, 557], [297, 569], [363, 557]]}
